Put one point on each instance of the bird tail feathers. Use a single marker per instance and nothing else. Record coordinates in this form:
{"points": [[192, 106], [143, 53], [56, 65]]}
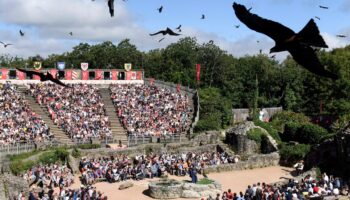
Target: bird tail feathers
{"points": [[311, 35]]}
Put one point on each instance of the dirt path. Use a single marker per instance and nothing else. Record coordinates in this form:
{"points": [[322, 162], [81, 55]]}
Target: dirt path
{"points": [[236, 181]]}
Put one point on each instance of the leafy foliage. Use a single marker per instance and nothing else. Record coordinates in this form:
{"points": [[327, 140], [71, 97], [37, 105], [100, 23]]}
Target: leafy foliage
{"points": [[255, 134], [290, 154], [280, 119], [230, 79], [270, 129]]}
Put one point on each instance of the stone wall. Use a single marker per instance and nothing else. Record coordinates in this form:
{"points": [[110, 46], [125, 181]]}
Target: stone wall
{"points": [[237, 137], [241, 114], [254, 161], [11, 186]]}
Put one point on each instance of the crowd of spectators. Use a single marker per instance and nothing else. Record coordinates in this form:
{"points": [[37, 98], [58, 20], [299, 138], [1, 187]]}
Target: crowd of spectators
{"points": [[150, 110], [79, 110], [83, 193], [18, 123], [307, 188], [120, 168], [53, 175]]}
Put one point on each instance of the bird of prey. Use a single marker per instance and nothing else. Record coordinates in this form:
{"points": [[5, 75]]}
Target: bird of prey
{"points": [[179, 27], [161, 40], [237, 26], [324, 7], [5, 45], [260, 51], [299, 44], [317, 18], [43, 77], [203, 16], [111, 7], [341, 36], [211, 42], [21, 33], [160, 9], [71, 33], [164, 32]]}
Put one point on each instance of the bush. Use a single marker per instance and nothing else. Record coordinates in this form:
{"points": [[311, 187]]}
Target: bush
{"points": [[271, 130], [89, 146], [207, 124], [19, 166], [291, 131], [255, 134], [290, 154], [22, 155], [53, 156], [311, 134], [279, 120]]}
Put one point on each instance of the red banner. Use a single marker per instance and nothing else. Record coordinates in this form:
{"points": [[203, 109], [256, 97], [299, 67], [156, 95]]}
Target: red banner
{"points": [[98, 74], [53, 72], [198, 72], [35, 77], [139, 75], [128, 75], [85, 75], [4, 72], [68, 74], [20, 75], [114, 74]]}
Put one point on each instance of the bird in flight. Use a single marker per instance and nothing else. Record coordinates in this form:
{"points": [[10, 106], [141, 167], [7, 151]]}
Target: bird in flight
{"points": [[71, 33], [299, 45], [161, 40], [317, 18], [203, 16], [43, 77], [5, 45], [211, 41], [160, 9], [21, 33], [237, 26], [324, 7], [111, 7], [164, 32], [341, 36]]}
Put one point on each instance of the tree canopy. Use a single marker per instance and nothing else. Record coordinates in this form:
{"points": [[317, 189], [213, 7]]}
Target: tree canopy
{"points": [[226, 81]]}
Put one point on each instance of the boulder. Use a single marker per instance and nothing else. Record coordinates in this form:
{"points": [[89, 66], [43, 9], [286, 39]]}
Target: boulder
{"points": [[208, 193], [190, 194], [125, 185]]}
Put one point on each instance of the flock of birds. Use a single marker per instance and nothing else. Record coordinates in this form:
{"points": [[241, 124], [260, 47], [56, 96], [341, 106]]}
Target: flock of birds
{"points": [[302, 45]]}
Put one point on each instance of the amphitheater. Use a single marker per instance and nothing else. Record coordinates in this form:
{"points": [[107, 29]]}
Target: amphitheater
{"points": [[123, 144]]}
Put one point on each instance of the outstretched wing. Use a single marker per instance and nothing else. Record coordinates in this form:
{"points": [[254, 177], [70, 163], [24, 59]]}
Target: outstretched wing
{"points": [[2, 43], [30, 73], [162, 32], [55, 80], [275, 30], [306, 57], [171, 32]]}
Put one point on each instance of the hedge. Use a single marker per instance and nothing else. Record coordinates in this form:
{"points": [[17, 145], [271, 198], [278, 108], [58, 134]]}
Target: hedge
{"points": [[290, 154]]}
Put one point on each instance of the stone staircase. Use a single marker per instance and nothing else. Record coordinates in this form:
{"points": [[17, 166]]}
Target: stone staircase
{"points": [[119, 133], [59, 135]]}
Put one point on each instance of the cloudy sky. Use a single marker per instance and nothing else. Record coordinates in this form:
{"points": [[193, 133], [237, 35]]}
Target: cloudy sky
{"points": [[46, 23]]}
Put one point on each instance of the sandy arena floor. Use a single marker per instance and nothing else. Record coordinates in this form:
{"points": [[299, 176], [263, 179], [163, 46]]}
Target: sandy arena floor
{"points": [[236, 181]]}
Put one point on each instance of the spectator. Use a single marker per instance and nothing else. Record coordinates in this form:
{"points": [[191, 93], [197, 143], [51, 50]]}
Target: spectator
{"points": [[17, 121], [149, 110]]}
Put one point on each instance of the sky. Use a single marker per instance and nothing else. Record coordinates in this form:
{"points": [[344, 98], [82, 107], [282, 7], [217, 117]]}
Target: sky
{"points": [[47, 23]]}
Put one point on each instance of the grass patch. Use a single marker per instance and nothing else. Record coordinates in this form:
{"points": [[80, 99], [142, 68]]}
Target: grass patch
{"points": [[205, 181], [255, 134], [23, 155], [272, 131]]}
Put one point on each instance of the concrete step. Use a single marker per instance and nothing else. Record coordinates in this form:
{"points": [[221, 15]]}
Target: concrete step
{"points": [[42, 111], [119, 133]]}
